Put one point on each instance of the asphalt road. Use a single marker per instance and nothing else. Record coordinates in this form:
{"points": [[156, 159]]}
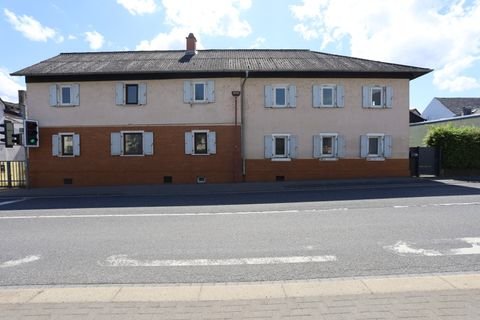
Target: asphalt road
{"points": [[302, 232]]}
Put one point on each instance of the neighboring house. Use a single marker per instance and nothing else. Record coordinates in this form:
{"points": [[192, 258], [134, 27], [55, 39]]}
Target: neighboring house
{"points": [[418, 131], [415, 116], [12, 112], [443, 108], [145, 117]]}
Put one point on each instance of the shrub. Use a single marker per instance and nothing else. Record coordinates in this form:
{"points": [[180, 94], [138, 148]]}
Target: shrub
{"points": [[460, 146]]}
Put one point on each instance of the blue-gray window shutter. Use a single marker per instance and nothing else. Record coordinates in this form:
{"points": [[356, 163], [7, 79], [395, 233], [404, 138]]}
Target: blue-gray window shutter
{"points": [[268, 96], [292, 96], [387, 146], [142, 93], [292, 146], [55, 145], [148, 143], [115, 143], [76, 144], [187, 91], [316, 146], [119, 94], [53, 96], [317, 101], [388, 97], [188, 143], [210, 91], [268, 146], [367, 102], [212, 143], [340, 96], [340, 146], [363, 146], [76, 94]]}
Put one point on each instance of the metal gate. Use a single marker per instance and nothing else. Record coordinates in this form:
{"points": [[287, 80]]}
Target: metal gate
{"points": [[425, 161], [13, 174]]}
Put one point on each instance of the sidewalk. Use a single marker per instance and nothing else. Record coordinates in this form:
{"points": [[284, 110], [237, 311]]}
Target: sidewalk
{"points": [[447, 296], [212, 188]]}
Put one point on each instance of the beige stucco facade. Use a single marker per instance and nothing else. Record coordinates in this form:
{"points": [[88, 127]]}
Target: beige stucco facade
{"points": [[304, 121], [164, 105]]}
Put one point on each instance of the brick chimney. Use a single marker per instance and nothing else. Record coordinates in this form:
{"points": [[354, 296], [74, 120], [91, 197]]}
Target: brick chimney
{"points": [[191, 45]]}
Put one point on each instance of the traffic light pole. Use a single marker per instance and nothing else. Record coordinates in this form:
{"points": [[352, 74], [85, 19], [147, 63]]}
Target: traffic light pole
{"points": [[22, 97]]}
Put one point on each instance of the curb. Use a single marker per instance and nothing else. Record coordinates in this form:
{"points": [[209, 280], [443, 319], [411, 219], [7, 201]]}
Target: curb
{"points": [[240, 291]]}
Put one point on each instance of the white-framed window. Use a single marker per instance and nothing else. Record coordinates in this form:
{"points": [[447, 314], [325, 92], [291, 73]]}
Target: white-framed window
{"points": [[131, 143], [66, 144], [376, 146], [377, 97], [200, 142], [198, 91], [132, 94], [328, 146], [328, 96], [280, 96], [280, 146], [64, 95]]}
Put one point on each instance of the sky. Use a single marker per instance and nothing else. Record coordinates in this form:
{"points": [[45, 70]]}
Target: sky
{"points": [[443, 35]]}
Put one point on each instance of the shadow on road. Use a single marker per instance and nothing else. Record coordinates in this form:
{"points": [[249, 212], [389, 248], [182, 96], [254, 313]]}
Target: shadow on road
{"points": [[235, 194]]}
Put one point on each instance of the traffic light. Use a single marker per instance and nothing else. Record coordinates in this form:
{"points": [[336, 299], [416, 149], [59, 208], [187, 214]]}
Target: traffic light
{"points": [[7, 133], [30, 133]]}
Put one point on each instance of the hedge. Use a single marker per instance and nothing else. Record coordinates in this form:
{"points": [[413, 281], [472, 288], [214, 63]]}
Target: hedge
{"points": [[460, 146]]}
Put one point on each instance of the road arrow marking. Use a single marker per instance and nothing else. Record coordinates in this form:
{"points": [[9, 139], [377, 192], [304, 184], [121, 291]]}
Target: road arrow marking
{"points": [[403, 248], [122, 260], [14, 263]]}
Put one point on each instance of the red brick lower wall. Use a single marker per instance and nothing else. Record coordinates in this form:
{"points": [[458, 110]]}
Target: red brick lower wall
{"points": [[314, 169], [95, 165]]}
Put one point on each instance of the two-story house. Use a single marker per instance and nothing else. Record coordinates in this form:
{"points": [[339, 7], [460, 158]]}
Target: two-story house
{"points": [[192, 116]]}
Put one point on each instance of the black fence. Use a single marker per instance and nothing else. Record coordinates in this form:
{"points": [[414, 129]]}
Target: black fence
{"points": [[13, 174]]}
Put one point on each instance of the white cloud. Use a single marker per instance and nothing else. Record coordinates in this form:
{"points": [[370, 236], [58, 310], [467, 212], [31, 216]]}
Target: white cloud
{"points": [[31, 28], [207, 17], [259, 42], [139, 7], [94, 39], [440, 34], [212, 17], [9, 86], [175, 39]]}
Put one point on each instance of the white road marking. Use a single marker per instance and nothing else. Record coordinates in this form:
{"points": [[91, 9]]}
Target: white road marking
{"points": [[14, 263], [474, 249], [187, 214], [200, 214], [402, 248], [123, 261], [12, 201]]}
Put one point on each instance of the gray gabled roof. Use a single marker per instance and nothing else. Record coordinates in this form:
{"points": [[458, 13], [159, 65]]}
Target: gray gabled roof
{"points": [[457, 105], [214, 61]]}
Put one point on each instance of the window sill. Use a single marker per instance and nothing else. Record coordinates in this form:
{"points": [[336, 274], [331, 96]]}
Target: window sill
{"points": [[201, 154], [281, 159], [375, 159], [132, 155]]}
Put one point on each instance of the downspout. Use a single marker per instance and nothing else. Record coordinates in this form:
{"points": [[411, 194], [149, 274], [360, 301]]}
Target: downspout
{"points": [[242, 127]]}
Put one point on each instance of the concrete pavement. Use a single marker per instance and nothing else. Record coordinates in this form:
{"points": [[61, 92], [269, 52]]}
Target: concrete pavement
{"points": [[441, 296]]}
